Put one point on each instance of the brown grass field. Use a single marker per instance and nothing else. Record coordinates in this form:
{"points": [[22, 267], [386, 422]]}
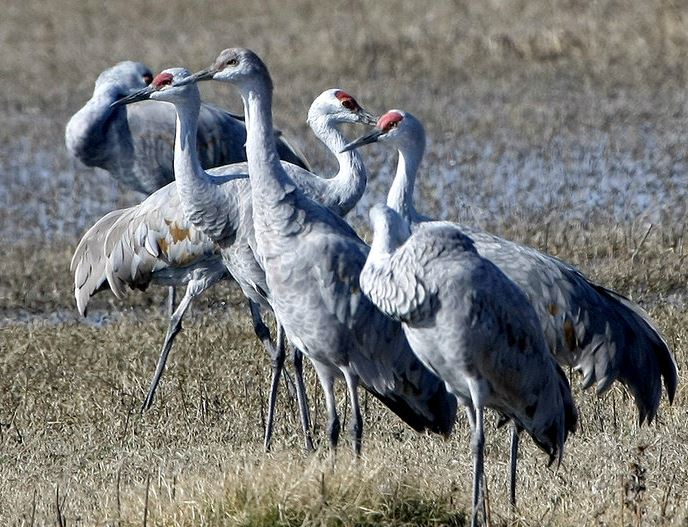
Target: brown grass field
{"points": [[560, 124]]}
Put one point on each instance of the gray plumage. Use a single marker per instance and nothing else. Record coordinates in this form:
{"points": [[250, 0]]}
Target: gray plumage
{"points": [[150, 243], [472, 326], [219, 203], [599, 332], [312, 260], [135, 144], [88, 262]]}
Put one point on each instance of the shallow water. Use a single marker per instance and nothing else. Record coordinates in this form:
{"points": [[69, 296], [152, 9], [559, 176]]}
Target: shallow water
{"points": [[624, 176], [621, 175]]}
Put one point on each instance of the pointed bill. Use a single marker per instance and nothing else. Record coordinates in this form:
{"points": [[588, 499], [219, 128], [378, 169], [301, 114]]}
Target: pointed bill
{"points": [[140, 95], [202, 75], [371, 137], [368, 118]]}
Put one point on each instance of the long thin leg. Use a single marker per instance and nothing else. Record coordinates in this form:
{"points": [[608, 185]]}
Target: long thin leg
{"points": [[171, 300], [174, 327], [302, 399], [263, 334], [262, 331], [477, 445], [326, 379], [277, 352], [277, 359], [512, 464], [356, 419]]}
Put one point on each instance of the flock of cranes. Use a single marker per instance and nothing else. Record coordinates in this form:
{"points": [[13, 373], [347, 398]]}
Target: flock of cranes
{"points": [[432, 315]]}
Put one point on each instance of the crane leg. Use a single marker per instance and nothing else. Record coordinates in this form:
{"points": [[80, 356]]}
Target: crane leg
{"points": [[171, 300], [477, 447], [174, 327], [302, 399], [277, 355], [277, 360], [327, 382], [261, 330], [512, 464], [356, 419]]}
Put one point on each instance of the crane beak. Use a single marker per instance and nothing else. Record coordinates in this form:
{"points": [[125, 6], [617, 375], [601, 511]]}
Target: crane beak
{"points": [[140, 95], [367, 117], [202, 75], [371, 137]]}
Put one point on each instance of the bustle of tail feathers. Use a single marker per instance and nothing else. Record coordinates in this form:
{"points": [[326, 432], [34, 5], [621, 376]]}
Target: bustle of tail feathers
{"points": [[552, 439], [88, 264], [441, 406], [639, 324]]}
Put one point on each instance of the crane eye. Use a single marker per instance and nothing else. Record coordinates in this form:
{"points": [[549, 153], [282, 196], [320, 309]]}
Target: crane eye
{"points": [[233, 61], [350, 104], [147, 78]]}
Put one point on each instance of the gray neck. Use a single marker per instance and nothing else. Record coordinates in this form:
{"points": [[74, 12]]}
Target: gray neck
{"points": [[383, 246], [187, 166], [400, 195], [269, 181], [348, 186], [197, 192], [86, 133], [388, 236]]}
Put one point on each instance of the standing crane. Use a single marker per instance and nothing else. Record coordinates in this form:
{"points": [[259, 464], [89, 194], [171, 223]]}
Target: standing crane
{"points": [[220, 205], [134, 240], [312, 260], [150, 243], [597, 331], [472, 326]]}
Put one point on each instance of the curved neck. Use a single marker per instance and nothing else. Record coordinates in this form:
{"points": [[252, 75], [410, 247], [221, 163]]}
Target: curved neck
{"points": [[187, 166], [383, 245], [203, 201], [349, 184], [400, 195], [86, 132]]}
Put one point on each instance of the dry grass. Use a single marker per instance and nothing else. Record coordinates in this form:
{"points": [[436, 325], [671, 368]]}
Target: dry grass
{"points": [[559, 124]]}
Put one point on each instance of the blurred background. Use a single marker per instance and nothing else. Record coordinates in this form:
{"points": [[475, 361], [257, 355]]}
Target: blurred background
{"points": [[561, 124], [560, 111]]}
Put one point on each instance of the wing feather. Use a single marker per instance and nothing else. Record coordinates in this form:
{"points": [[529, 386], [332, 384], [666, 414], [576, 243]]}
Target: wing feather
{"points": [[599, 332]]}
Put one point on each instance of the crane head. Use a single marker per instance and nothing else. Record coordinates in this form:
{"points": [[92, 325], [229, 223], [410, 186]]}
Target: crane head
{"points": [[233, 65], [338, 106], [395, 127], [162, 87], [123, 78]]}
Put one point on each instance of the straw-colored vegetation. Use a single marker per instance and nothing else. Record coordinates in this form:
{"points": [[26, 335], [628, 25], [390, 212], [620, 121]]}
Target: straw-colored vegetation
{"points": [[560, 124]]}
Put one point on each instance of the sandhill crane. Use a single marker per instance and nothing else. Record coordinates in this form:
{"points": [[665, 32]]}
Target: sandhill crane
{"points": [[593, 329], [220, 205], [472, 326], [135, 145], [312, 260], [161, 216], [150, 243]]}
